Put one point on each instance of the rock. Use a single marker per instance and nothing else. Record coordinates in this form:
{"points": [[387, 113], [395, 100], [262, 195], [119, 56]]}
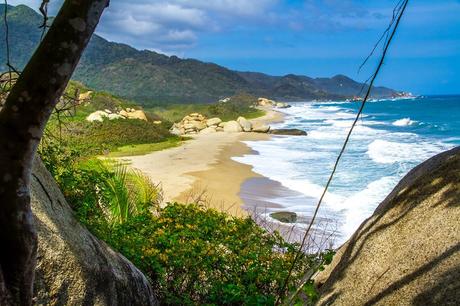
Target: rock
{"points": [[285, 216], [266, 102], [200, 125], [260, 127], [158, 122], [213, 121], [245, 124], [123, 113], [219, 129], [222, 124], [232, 127], [73, 266], [282, 105], [208, 130], [408, 251], [97, 116], [85, 96], [291, 132], [189, 126], [108, 111], [115, 116], [137, 114], [176, 130]]}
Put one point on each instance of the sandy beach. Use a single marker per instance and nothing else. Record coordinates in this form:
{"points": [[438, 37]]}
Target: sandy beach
{"points": [[202, 169]]}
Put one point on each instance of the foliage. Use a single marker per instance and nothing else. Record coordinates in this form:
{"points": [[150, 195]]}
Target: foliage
{"points": [[239, 105], [142, 149], [97, 138], [101, 192], [200, 256], [193, 255]]}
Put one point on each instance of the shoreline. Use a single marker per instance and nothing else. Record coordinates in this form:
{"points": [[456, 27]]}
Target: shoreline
{"points": [[202, 169]]}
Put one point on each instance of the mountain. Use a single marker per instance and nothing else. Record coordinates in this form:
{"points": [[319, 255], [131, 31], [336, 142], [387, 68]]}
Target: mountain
{"points": [[149, 77]]}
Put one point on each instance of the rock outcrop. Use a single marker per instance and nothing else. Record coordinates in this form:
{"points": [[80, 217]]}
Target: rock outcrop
{"points": [[408, 252], [260, 128], [245, 124], [197, 123], [290, 132], [129, 113], [267, 102], [232, 127], [74, 267]]}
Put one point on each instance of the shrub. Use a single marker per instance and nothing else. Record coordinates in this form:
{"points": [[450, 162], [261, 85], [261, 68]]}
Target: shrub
{"points": [[196, 255], [192, 255]]}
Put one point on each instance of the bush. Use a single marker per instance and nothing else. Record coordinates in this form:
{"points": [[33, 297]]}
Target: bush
{"points": [[102, 137], [197, 255], [192, 255]]}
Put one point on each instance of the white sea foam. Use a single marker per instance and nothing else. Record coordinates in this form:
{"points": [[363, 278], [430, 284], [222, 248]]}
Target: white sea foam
{"points": [[404, 122], [375, 160], [388, 152]]}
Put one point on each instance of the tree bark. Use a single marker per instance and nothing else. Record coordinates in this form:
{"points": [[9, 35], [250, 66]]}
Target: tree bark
{"points": [[22, 121]]}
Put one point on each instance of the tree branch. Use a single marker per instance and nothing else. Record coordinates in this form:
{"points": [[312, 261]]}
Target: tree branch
{"points": [[22, 121]]}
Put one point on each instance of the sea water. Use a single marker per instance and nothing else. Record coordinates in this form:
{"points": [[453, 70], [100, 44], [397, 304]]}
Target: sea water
{"points": [[391, 138]]}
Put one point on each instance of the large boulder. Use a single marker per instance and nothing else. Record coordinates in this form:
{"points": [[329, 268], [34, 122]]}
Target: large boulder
{"points": [[136, 114], [258, 127], [74, 267], [408, 252], [209, 130], [289, 132], [245, 124], [97, 116], [86, 96], [232, 127], [213, 121], [115, 116]]}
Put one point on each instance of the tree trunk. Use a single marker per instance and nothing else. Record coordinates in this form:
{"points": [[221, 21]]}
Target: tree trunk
{"points": [[22, 121]]}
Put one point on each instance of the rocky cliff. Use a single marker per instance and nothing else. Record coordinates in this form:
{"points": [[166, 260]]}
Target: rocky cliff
{"points": [[408, 252], [74, 267]]}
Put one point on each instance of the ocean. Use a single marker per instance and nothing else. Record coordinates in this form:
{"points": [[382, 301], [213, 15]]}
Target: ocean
{"points": [[391, 138]]}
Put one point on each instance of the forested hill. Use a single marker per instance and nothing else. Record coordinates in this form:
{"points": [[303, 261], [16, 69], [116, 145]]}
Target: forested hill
{"points": [[149, 77]]}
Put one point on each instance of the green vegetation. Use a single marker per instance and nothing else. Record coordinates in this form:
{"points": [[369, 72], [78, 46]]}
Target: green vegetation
{"points": [[239, 105], [101, 138], [191, 254], [142, 149]]}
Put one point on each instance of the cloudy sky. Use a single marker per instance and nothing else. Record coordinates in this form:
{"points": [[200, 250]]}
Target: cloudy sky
{"points": [[311, 37]]}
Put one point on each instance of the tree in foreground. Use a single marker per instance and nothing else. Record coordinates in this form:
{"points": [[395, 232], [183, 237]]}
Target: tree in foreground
{"points": [[22, 121]]}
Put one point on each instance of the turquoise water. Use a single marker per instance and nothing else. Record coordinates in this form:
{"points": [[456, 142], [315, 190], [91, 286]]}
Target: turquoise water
{"points": [[391, 138]]}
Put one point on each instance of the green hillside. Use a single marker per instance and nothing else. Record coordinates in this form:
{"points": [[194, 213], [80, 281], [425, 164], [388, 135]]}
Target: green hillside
{"points": [[151, 78]]}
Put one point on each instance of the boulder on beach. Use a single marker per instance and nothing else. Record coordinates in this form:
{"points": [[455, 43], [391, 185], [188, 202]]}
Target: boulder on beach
{"points": [[285, 216], [282, 105], [408, 251], [213, 121], [209, 130], [232, 127], [290, 132], [246, 125], [265, 102], [258, 127]]}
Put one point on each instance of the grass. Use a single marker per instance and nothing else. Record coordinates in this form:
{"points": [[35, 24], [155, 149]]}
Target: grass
{"points": [[142, 149]]}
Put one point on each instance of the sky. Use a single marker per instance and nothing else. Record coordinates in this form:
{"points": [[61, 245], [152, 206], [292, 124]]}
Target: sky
{"points": [[308, 37]]}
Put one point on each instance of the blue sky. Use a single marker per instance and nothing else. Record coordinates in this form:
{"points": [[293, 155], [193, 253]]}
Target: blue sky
{"points": [[310, 37]]}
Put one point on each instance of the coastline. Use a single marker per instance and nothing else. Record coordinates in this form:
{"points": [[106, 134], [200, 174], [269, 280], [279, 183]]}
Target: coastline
{"points": [[203, 170]]}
